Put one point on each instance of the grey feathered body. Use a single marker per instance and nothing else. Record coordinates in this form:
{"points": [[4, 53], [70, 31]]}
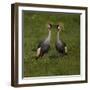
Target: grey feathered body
{"points": [[44, 47], [60, 45]]}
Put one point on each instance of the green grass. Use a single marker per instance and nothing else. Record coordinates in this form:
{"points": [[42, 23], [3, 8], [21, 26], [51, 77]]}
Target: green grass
{"points": [[34, 28]]}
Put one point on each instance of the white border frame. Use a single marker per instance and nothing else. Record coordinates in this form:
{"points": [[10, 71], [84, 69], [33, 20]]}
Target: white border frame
{"points": [[34, 80]]}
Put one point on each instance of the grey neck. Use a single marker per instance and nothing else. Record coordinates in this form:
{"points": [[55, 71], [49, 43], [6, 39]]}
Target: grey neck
{"points": [[58, 36], [49, 36]]}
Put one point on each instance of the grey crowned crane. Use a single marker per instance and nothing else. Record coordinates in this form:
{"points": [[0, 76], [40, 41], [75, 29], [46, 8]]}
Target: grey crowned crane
{"points": [[43, 46], [60, 45]]}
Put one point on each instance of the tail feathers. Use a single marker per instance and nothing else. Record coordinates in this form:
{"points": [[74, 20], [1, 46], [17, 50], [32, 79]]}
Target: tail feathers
{"points": [[38, 53], [66, 50]]}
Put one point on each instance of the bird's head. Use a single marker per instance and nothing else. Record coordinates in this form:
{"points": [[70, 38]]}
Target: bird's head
{"points": [[49, 26], [60, 27]]}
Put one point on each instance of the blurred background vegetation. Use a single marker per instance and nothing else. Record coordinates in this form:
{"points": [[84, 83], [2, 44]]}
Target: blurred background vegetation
{"points": [[35, 30]]}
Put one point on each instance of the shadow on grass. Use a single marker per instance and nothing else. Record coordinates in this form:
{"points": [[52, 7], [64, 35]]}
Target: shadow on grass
{"points": [[53, 56], [57, 56]]}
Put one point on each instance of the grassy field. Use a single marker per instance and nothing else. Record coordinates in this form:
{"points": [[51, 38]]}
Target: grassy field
{"points": [[34, 28]]}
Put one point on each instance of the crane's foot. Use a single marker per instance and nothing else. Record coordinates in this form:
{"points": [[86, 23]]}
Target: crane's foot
{"points": [[37, 57], [66, 54]]}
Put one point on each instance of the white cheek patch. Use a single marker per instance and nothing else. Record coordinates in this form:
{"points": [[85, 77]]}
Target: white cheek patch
{"points": [[38, 51], [58, 27]]}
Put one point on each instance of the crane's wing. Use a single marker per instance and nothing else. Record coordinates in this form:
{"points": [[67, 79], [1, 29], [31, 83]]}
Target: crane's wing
{"points": [[61, 47], [45, 48], [40, 43]]}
